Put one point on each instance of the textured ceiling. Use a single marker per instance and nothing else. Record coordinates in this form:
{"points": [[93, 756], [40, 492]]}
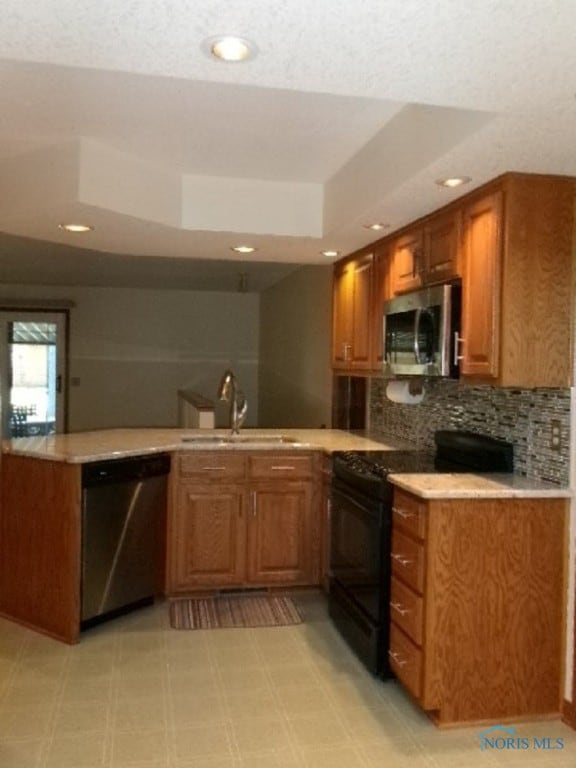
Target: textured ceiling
{"points": [[113, 113]]}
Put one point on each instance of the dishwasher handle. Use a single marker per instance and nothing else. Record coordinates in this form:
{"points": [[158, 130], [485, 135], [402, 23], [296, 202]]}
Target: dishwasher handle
{"points": [[120, 470]]}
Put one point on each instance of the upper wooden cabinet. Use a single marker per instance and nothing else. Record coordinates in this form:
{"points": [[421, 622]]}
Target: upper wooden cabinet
{"points": [[427, 254], [479, 346], [408, 261], [517, 286], [352, 314], [442, 237], [511, 242]]}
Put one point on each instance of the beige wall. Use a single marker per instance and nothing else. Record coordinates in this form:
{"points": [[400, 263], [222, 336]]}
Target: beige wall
{"points": [[132, 349], [295, 329]]}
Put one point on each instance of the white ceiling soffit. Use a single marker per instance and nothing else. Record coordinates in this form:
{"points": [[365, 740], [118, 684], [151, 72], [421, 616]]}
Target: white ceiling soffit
{"points": [[112, 113]]}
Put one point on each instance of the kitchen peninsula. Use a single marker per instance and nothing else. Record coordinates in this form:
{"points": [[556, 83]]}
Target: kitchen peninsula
{"points": [[283, 472], [210, 539]]}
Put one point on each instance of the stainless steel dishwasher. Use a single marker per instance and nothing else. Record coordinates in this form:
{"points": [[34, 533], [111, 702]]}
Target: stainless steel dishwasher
{"points": [[123, 517]]}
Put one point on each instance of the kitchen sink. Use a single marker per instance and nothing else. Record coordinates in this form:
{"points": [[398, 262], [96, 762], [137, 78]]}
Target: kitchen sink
{"points": [[248, 440]]}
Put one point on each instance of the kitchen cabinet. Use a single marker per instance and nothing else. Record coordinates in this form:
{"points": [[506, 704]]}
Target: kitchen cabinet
{"points": [[427, 254], [244, 519], [442, 237], [408, 261], [477, 601], [352, 314], [382, 292], [206, 531], [481, 286], [517, 285], [40, 540]]}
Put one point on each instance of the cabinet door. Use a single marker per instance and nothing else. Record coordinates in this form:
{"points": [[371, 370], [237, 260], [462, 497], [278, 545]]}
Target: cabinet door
{"points": [[442, 247], [408, 263], [481, 287], [342, 315], [382, 292], [280, 534], [362, 313], [209, 537]]}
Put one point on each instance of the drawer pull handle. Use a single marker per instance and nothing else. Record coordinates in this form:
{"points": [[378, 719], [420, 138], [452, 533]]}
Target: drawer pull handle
{"points": [[403, 513], [396, 657], [283, 467], [399, 607], [401, 560], [213, 469]]}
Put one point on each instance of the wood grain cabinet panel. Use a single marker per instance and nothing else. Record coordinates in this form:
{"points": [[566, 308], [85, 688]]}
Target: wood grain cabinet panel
{"points": [[406, 661], [489, 624], [408, 560], [244, 519], [517, 282], [481, 287], [279, 541], [442, 252], [352, 314], [40, 545], [209, 532], [408, 261]]}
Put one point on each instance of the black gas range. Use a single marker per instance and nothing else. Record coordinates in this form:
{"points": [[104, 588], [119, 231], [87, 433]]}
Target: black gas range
{"points": [[361, 530]]}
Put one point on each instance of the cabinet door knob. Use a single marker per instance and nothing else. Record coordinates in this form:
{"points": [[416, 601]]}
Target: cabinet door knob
{"points": [[401, 560], [397, 658], [402, 512]]}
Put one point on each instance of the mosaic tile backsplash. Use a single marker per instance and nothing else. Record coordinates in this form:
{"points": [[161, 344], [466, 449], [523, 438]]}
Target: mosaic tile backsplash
{"points": [[520, 416]]}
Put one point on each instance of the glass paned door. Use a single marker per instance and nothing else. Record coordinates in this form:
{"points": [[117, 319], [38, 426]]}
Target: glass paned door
{"points": [[32, 351]]}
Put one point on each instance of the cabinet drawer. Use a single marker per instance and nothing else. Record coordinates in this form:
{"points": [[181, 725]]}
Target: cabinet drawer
{"points": [[406, 610], [408, 560], [406, 661], [213, 465], [409, 513], [279, 465]]}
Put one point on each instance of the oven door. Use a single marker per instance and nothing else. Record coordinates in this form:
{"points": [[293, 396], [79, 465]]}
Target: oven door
{"points": [[358, 532]]}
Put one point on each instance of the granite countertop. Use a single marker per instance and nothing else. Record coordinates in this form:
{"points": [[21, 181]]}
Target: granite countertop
{"points": [[82, 447], [470, 486]]}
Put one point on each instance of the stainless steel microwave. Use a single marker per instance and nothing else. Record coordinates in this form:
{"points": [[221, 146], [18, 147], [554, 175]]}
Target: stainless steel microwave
{"points": [[420, 332]]}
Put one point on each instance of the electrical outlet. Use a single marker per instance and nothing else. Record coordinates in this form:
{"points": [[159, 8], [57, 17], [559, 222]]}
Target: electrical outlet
{"points": [[555, 435]]}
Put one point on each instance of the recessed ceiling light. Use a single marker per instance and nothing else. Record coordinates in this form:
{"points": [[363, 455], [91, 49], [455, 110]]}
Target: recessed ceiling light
{"points": [[76, 227], [243, 249], [376, 227], [330, 254], [229, 48], [454, 181]]}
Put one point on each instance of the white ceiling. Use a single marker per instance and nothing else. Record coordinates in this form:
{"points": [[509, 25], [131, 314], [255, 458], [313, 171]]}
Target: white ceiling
{"points": [[111, 112]]}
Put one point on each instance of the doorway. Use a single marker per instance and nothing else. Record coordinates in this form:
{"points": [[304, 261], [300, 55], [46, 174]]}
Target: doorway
{"points": [[33, 355]]}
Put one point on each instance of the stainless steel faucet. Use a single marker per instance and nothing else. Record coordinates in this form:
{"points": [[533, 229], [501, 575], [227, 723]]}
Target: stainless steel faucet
{"points": [[231, 393]]}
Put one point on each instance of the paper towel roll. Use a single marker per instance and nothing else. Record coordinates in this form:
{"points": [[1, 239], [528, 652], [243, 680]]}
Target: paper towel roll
{"points": [[405, 392]]}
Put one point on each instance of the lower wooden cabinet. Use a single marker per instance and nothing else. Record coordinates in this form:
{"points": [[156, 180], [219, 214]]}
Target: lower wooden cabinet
{"points": [[259, 529], [208, 526], [279, 535], [477, 606]]}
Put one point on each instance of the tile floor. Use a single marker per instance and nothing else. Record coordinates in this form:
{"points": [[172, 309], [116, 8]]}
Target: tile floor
{"points": [[137, 694]]}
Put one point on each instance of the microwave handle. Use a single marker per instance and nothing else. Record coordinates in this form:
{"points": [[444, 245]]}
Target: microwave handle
{"points": [[417, 317]]}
